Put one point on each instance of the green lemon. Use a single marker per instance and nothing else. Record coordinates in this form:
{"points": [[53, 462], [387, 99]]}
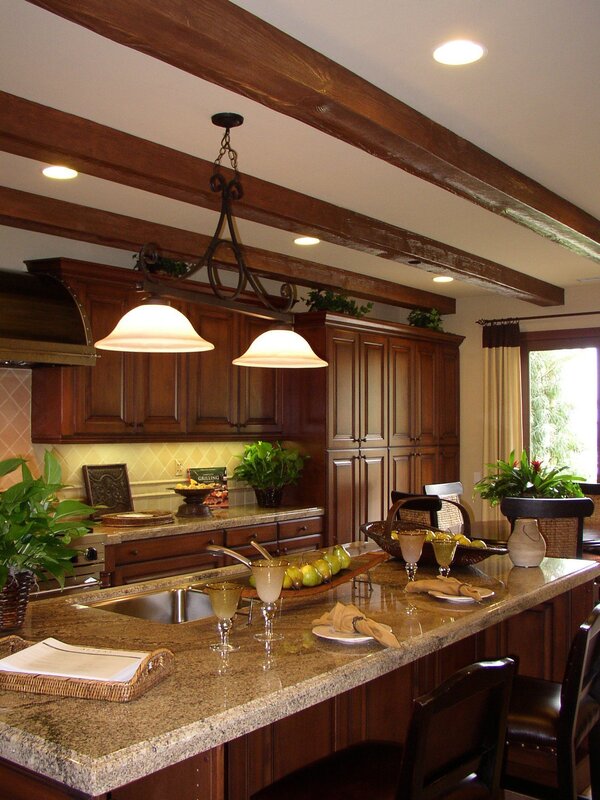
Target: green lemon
{"points": [[287, 580], [296, 575], [478, 543], [252, 581]]}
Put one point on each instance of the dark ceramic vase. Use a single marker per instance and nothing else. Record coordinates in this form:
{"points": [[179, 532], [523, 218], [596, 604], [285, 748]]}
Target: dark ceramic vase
{"points": [[269, 498], [14, 597]]}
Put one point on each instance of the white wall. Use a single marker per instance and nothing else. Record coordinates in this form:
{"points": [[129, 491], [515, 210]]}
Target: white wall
{"points": [[585, 297]]}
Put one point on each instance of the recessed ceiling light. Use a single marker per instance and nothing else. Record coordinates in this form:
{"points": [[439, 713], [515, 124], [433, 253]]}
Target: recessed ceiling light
{"points": [[60, 173], [443, 279], [307, 240], [459, 51]]}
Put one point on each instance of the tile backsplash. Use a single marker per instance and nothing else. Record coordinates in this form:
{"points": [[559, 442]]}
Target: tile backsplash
{"points": [[151, 467]]}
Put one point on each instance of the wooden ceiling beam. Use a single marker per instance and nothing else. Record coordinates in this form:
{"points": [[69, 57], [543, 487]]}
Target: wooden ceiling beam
{"points": [[46, 134], [46, 215], [226, 45]]}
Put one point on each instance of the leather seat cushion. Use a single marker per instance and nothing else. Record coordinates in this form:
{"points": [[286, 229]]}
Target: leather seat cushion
{"points": [[533, 715]]}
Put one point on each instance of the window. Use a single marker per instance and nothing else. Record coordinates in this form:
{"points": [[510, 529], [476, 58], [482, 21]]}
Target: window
{"points": [[560, 371]]}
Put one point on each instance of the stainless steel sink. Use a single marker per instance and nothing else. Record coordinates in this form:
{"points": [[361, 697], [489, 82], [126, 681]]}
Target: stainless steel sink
{"points": [[169, 606]]}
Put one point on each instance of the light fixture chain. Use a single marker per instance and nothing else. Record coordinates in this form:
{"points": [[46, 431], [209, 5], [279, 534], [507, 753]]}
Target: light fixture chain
{"points": [[226, 148]]}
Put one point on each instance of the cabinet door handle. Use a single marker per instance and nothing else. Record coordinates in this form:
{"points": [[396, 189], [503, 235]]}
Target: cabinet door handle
{"points": [[134, 552]]}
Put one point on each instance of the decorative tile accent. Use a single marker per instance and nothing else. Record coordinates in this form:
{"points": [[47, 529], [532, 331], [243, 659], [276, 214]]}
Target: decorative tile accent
{"points": [[151, 466]]}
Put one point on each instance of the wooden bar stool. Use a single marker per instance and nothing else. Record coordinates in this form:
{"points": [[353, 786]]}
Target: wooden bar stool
{"points": [[453, 749], [553, 733]]}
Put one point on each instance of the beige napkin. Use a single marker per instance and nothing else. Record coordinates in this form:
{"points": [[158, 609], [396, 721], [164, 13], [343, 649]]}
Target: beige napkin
{"points": [[350, 619], [450, 586]]}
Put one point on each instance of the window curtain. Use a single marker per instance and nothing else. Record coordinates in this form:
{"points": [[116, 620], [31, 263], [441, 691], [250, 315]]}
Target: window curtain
{"points": [[502, 398]]}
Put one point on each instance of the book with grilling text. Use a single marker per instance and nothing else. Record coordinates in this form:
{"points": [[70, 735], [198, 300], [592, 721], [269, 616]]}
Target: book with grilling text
{"points": [[219, 497]]}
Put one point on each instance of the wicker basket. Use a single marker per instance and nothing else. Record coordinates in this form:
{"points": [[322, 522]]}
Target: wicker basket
{"points": [[156, 666], [381, 532]]}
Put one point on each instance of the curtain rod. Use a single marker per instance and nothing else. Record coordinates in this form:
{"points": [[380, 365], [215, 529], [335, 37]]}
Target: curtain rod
{"points": [[540, 316]]}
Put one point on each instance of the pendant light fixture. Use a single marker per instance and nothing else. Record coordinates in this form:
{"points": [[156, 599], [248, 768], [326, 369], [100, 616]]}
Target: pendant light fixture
{"points": [[156, 327]]}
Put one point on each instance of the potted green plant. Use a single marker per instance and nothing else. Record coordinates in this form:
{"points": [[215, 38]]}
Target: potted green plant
{"points": [[267, 468], [328, 300], [36, 529], [426, 318], [526, 478]]}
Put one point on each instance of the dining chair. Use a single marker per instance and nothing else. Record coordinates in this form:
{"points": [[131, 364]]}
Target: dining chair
{"points": [[453, 515], [591, 529], [553, 732], [417, 509], [454, 749], [560, 521]]}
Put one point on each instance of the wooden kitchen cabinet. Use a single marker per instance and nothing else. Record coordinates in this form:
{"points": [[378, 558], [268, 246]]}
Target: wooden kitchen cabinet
{"points": [[153, 397], [383, 416], [357, 392], [145, 559], [411, 467], [225, 400], [414, 397], [357, 491]]}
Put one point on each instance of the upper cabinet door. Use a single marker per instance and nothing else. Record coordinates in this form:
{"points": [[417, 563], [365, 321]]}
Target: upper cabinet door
{"points": [[402, 393], [428, 394], [343, 396], [373, 390], [158, 383], [448, 382], [103, 395], [260, 398], [212, 380]]}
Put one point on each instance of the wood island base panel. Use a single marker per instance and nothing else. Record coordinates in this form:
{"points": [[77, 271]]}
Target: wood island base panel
{"points": [[224, 735]]}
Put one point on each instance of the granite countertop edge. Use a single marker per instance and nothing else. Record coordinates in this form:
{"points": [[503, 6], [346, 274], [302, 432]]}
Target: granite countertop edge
{"points": [[236, 517], [99, 775]]}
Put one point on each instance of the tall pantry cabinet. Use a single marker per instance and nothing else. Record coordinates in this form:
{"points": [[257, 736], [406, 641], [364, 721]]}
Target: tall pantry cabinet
{"points": [[384, 415]]}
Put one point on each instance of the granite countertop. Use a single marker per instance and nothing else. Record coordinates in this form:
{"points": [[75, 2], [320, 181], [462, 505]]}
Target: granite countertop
{"points": [[96, 746], [235, 517]]}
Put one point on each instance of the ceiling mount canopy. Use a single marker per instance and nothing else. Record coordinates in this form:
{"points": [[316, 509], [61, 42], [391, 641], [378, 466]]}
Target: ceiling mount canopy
{"points": [[155, 327]]}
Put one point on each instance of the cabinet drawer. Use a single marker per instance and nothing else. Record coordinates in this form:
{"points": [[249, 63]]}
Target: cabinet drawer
{"points": [[300, 543], [236, 537], [166, 547], [163, 568], [300, 527]]}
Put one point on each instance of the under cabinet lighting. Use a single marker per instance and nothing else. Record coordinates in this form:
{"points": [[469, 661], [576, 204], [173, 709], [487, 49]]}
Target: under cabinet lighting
{"points": [[443, 279]]}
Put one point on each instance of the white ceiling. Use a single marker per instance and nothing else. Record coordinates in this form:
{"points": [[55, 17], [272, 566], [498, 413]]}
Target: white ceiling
{"points": [[533, 102]]}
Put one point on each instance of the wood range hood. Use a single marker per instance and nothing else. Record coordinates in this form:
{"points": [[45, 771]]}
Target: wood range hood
{"points": [[41, 322]]}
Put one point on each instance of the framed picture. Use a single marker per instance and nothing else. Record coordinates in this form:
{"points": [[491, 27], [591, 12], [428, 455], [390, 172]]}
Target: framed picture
{"points": [[107, 485]]}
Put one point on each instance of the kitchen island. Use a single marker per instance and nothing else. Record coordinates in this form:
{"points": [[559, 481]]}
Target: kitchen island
{"points": [[224, 735]]}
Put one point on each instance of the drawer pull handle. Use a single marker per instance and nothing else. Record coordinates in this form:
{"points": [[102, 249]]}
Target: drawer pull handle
{"points": [[302, 528], [134, 552]]}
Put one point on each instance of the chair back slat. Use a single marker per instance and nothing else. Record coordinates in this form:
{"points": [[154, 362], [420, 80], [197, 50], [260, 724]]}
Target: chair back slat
{"points": [[581, 683], [456, 730]]}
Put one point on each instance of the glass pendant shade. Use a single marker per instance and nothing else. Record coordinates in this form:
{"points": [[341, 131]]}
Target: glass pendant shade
{"points": [[154, 327], [280, 348]]}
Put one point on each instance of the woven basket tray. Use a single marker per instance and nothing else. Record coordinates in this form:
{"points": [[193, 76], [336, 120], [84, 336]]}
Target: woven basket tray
{"points": [[381, 532], [156, 666]]}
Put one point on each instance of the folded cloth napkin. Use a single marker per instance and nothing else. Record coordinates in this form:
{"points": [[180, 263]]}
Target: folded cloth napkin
{"points": [[450, 586], [350, 619], [52, 657]]}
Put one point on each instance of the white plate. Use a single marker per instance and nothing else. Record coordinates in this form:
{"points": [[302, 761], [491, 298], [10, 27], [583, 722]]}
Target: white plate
{"points": [[327, 632], [452, 598]]}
